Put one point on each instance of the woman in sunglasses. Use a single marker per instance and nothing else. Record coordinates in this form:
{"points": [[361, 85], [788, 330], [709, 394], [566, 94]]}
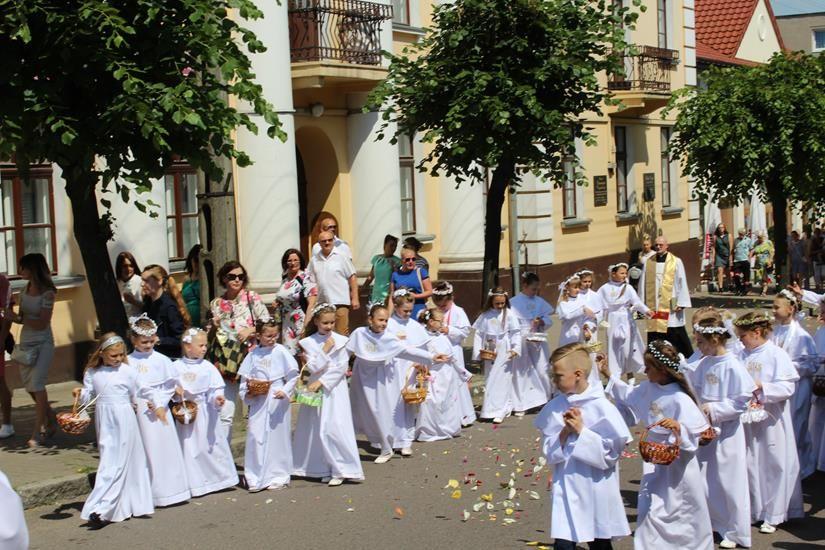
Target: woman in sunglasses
{"points": [[413, 278]]}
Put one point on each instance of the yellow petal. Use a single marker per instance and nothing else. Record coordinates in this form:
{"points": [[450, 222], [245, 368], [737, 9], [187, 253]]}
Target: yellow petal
{"points": [[456, 494], [452, 484], [509, 511]]}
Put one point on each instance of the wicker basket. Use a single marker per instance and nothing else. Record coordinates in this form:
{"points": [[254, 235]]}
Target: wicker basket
{"points": [[487, 355], [658, 453], [755, 413], [257, 387], [185, 412], [415, 394], [819, 385], [707, 436], [74, 423]]}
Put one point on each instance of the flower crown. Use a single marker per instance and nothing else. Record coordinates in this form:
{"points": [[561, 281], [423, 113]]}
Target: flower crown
{"points": [[760, 317], [111, 341], [425, 316], [446, 291], [581, 273], [401, 292], [492, 292], [790, 296], [567, 281], [143, 331], [322, 307], [654, 348], [190, 334], [709, 330], [613, 267]]}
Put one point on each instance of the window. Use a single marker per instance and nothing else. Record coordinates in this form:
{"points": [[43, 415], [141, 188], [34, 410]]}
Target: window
{"points": [[620, 137], [661, 6], [667, 133], [181, 210], [570, 206], [401, 11], [819, 40], [27, 216], [407, 170]]}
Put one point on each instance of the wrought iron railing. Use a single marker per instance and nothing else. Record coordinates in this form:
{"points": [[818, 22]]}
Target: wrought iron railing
{"points": [[348, 31], [647, 69]]}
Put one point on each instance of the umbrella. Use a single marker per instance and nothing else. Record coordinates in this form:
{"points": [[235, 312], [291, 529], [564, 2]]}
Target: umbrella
{"points": [[758, 218]]}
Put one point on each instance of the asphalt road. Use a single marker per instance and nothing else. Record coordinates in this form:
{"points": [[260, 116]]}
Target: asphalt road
{"points": [[405, 504]]}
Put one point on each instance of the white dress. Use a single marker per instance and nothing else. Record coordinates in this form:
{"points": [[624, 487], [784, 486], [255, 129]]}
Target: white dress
{"points": [[722, 384], [324, 442], [531, 381], [592, 300], [156, 381], [412, 334], [268, 452], [673, 509], [587, 501], [378, 410], [773, 465], [206, 452], [625, 347], [458, 326], [497, 331], [801, 347], [571, 314], [438, 416], [14, 534], [817, 422], [122, 486]]}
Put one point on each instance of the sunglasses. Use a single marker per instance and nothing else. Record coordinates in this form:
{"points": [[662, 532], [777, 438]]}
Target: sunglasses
{"points": [[330, 227], [235, 277], [408, 260]]}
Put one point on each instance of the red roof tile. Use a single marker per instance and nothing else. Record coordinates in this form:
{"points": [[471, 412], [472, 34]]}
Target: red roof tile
{"points": [[721, 25], [706, 53]]}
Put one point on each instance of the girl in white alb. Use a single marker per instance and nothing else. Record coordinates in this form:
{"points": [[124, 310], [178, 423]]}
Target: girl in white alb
{"points": [[456, 327], [772, 462], [590, 297], [156, 382], [324, 443], [378, 409], [723, 388], [624, 342], [438, 417], [789, 335], [531, 383], [497, 341], [268, 456], [673, 508], [572, 312], [122, 486], [206, 452]]}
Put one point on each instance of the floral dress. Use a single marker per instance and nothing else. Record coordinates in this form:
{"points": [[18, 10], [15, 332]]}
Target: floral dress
{"points": [[228, 318], [291, 300]]}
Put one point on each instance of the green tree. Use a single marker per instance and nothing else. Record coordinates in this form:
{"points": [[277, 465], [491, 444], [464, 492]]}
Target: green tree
{"points": [[501, 84], [111, 90], [758, 126]]}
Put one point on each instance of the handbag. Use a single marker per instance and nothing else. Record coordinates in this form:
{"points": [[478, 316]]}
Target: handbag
{"points": [[227, 353], [24, 356], [8, 345]]}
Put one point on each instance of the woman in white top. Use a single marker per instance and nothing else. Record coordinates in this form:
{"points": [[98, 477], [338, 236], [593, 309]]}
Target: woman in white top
{"points": [[128, 282]]}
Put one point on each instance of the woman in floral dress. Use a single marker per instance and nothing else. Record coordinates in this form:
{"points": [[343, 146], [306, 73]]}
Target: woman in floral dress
{"points": [[296, 296]]}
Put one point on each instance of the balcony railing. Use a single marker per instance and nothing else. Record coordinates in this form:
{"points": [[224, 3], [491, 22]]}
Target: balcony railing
{"points": [[646, 70], [348, 31]]}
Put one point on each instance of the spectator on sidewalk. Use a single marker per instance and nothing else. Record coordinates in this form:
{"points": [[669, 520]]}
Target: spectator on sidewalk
{"points": [[741, 262], [383, 266], [763, 255], [635, 270], [295, 298], [334, 274], [6, 428], [413, 278], [415, 245], [128, 282], [191, 288], [330, 224], [163, 303], [796, 252], [721, 255], [816, 257]]}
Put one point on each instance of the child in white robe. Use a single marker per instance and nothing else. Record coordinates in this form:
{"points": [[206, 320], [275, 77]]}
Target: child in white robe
{"points": [[122, 486], [723, 387], [324, 443], [673, 509], [789, 335], [590, 297], [572, 312], [378, 409], [156, 382], [456, 327], [206, 452], [14, 533], [438, 417], [772, 461], [531, 383], [625, 347], [268, 453], [497, 341], [591, 340], [583, 436]]}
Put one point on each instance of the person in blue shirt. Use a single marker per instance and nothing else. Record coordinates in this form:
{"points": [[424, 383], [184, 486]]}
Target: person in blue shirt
{"points": [[741, 262], [415, 279]]}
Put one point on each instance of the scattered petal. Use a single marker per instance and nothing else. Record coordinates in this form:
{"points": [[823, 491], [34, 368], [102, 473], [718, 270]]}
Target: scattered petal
{"points": [[512, 493], [268, 501], [350, 509], [488, 497], [534, 495], [399, 512], [456, 494], [465, 516], [478, 506], [452, 484]]}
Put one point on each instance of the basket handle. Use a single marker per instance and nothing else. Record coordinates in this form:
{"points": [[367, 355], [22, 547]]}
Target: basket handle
{"points": [[75, 404], [409, 371], [678, 433]]}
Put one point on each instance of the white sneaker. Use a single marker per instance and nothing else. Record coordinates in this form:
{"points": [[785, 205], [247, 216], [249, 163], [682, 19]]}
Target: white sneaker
{"points": [[335, 482], [519, 414], [383, 458], [6, 430], [277, 486], [406, 451], [727, 544], [767, 528], [498, 420]]}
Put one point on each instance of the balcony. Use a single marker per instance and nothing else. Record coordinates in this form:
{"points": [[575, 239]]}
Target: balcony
{"points": [[336, 42], [645, 86]]}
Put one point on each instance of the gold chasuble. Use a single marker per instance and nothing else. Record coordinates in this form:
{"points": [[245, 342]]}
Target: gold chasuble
{"points": [[665, 294]]}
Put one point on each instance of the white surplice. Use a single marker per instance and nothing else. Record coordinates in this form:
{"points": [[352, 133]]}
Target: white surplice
{"points": [[14, 534], [531, 381], [724, 387], [122, 485], [587, 501], [156, 384], [458, 328], [681, 290], [572, 317], [673, 509], [498, 331], [378, 410], [206, 452], [268, 451], [438, 416], [795, 340], [625, 347], [324, 442], [773, 465]]}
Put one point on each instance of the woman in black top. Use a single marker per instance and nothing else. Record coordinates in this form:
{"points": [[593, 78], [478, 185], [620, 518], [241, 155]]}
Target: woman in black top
{"points": [[163, 303], [721, 255]]}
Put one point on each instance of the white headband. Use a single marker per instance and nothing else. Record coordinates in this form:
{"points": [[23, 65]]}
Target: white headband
{"points": [[190, 334], [661, 357], [584, 272], [111, 341], [567, 281], [321, 307], [790, 296], [446, 291], [148, 331], [614, 267], [710, 330], [401, 292], [492, 293]]}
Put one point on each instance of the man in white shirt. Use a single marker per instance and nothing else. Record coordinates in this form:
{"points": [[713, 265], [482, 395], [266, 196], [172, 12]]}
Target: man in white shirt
{"points": [[341, 246], [334, 274], [663, 288]]}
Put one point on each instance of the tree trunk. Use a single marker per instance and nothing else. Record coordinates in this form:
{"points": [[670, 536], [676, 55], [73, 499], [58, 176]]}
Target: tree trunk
{"points": [[492, 224], [91, 239], [780, 231]]}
